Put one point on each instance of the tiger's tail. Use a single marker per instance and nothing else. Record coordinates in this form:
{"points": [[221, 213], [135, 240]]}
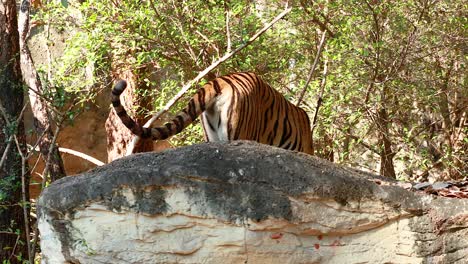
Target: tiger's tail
{"points": [[202, 99]]}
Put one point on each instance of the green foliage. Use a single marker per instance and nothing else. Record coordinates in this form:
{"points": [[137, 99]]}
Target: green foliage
{"points": [[9, 185], [406, 57]]}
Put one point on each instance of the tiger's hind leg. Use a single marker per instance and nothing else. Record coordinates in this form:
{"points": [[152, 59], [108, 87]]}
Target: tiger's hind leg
{"points": [[211, 121]]}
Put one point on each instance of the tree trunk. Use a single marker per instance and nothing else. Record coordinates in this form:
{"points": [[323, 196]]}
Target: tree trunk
{"points": [[449, 111], [42, 122], [386, 154], [11, 213], [346, 143]]}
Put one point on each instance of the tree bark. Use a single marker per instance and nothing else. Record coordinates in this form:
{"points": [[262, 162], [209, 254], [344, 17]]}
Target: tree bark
{"points": [[449, 110], [386, 154], [42, 122], [11, 213]]}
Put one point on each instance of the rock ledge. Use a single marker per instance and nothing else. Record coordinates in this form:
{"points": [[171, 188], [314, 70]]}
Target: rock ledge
{"points": [[243, 202]]}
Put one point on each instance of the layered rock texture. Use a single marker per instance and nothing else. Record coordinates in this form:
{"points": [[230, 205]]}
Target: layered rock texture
{"points": [[242, 202]]}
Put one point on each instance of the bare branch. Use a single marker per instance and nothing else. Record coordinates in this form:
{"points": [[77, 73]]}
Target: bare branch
{"points": [[311, 73], [14, 248], [24, 199], [81, 155], [10, 139], [228, 29], [320, 95], [44, 179], [208, 43], [187, 86], [361, 142], [37, 142]]}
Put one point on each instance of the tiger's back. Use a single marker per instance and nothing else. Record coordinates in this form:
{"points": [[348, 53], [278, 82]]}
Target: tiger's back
{"points": [[233, 107]]}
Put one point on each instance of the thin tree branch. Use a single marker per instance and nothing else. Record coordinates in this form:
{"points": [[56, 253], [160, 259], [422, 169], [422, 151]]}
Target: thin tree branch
{"points": [[81, 155], [376, 34], [311, 73], [208, 43], [37, 142], [25, 203], [166, 30], [361, 142], [396, 66], [39, 156], [323, 25], [10, 139], [46, 169], [228, 29], [7, 233], [44, 179], [14, 248], [187, 86], [320, 95]]}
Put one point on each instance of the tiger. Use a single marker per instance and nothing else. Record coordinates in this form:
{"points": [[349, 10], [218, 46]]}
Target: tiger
{"points": [[237, 106]]}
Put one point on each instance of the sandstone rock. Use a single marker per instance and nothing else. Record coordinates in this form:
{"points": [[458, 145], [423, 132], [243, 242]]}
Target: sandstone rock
{"points": [[242, 202]]}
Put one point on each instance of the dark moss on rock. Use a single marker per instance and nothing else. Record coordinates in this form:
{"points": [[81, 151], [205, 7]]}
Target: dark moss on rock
{"points": [[238, 180]]}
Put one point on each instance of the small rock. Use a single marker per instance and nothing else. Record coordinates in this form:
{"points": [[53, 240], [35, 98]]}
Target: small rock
{"points": [[421, 185], [440, 185]]}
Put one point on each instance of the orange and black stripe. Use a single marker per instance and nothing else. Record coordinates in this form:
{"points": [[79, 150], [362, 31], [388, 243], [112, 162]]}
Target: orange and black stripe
{"points": [[250, 108]]}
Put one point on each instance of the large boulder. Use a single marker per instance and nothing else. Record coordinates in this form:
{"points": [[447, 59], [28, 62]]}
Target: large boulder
{"points": [[243, 202]]}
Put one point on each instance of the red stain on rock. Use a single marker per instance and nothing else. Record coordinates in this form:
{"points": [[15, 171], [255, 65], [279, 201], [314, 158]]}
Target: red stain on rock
{"points": [[320, 237], [316, 246], [276, 235]]}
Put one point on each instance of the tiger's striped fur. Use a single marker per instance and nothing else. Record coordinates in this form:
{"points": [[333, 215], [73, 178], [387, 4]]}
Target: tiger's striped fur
{"points": [[233, 107]]}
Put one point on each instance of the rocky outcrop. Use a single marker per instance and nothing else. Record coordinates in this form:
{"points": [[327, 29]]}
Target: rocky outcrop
{"points": [[243, 202]]}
